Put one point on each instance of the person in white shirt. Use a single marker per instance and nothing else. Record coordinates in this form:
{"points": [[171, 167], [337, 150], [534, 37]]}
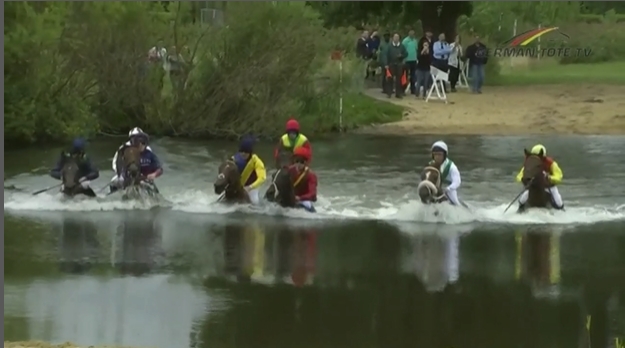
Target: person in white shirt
{"points": [[454, 62], [450, 175]]}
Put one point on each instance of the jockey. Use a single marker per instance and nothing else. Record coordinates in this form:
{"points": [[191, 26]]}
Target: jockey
{"points": [[554, 177], [86, 170], [251, 168], [292, 140], [305, 180], [150, 164], [450, 175]]}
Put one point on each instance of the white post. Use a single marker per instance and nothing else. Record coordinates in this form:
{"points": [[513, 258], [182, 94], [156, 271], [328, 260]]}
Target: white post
{"points": [[513, 35], [341, 95], [539, 27]]}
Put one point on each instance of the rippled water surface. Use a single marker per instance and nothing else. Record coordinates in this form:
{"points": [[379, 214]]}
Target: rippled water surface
{"points": [[373, 268]]}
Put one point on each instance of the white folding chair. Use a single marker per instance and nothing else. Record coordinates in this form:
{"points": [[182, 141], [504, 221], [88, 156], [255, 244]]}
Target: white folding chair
{"points": [[439, 78], [463, 82]]}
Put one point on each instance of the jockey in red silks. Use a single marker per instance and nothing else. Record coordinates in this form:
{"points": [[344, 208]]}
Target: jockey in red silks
{"points": [[304, 179], [291, 140]]}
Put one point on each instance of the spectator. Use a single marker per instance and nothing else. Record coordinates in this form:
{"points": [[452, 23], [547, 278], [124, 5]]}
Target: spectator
{"points": [[477, 54], [373, 43], [176, 68], [158, 53], [426, 38], [396, 54], [411, 44], [454, 62], [424, 79], [362, 51], [382, 55], [441, 55]]}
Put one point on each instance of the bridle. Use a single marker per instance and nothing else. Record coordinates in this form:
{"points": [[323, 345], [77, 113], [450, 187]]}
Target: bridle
{"points": [[429, 185], [222, 176]]}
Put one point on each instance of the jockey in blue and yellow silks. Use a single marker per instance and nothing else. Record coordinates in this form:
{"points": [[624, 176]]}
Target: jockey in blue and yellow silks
{"points": [[552, 171], [251, 168]]}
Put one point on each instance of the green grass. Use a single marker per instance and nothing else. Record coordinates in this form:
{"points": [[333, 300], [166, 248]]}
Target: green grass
{"points": [[550, 72], [362, 110]]}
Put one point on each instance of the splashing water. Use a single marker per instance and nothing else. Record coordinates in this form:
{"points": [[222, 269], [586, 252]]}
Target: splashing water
{"points": [[342, 207]]}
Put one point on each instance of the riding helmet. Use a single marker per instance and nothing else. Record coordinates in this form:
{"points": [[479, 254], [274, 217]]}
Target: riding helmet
{"points": [[78, 145], [539, 150], [135, 131], [292, 125], [247, 145], [440, 146], [302, 152]]}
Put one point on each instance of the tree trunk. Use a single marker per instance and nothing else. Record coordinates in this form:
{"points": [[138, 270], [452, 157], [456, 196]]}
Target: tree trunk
{"points": [[446, 22]]}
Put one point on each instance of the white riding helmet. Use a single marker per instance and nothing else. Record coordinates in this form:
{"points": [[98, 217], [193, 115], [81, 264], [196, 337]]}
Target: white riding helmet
{"points": [[135, 131], [440, 145]]}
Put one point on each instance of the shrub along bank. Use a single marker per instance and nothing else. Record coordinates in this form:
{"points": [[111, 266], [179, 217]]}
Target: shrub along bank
{"points": [[81, 68]]}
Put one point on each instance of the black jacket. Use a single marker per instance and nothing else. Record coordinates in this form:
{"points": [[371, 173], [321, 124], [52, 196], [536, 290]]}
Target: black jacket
{"points": [[477, 54]]}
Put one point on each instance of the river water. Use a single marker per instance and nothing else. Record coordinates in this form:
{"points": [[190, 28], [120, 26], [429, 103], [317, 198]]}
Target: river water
{"points": [[373, 267]]}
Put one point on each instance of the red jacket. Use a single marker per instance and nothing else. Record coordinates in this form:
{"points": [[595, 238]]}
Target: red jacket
{"points": [[306, 188]]}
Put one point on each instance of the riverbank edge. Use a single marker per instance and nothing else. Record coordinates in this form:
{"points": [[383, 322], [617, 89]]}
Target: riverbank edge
{"points": [[407, 127]]}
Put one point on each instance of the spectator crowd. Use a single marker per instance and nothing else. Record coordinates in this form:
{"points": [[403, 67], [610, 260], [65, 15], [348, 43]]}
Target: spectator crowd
{"points": [[408, 61]]}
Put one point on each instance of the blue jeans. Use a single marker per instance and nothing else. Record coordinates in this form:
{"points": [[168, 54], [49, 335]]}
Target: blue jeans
{"points": [[477, 77], [424, 79]]}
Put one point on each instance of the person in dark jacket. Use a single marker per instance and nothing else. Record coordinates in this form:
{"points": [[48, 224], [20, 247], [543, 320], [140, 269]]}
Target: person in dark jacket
{"points": [[395, 55], [477, 54], [382, 55], [86, 170], [362, 49], [424, 59]]}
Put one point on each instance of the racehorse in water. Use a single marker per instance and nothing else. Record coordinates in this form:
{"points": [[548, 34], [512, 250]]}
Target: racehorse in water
{"points": [[282, 190], [70, 178], [429, 188], [229, 184], [535, 182], [134, 181]]}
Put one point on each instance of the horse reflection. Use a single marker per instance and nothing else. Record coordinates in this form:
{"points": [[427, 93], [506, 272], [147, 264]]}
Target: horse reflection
{"points": [[538, 261], [141, 245], [79, 245]]}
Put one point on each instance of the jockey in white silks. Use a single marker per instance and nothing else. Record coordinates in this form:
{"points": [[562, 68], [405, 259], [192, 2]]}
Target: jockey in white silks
{"points": [[135, 132], [450, 175]]}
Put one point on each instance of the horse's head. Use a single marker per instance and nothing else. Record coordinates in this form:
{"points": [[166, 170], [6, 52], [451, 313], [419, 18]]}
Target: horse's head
{"points": [[132, 163], [228, 177], [533, 170], [285, 159], [282, 191], [69, 175], [430, 184]]}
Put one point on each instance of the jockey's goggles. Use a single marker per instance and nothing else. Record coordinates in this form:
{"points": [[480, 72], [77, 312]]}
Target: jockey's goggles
{"points": [[299, 160]]}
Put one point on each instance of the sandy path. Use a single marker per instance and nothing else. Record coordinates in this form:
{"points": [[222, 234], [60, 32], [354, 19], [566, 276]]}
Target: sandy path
{"points": [[556, 109]]}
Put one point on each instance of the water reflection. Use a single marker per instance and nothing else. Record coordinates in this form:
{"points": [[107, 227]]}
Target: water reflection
{"points": [[162, 279]]}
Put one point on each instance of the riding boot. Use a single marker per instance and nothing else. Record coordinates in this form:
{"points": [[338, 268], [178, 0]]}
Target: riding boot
{"points": [[522, 208]]}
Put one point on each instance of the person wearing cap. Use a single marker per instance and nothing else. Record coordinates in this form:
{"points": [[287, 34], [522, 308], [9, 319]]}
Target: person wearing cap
{"points": [[304, 179], [86, 170], [292, 140], [251, 168], [450, 175], [151, 167], [553, 174]]}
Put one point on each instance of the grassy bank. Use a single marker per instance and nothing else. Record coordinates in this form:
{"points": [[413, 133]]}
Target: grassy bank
{"points": [[550, 72], [362, 110]]}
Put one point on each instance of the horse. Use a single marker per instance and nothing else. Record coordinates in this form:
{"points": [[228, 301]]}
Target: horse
{"points": [[70, 179], [281, 190], [134, 181], [536, 183], [229, 184], [429, 188]]}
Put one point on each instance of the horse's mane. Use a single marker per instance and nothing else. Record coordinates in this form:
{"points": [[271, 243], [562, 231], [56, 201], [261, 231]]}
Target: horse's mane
{"points": [[433, 169]]}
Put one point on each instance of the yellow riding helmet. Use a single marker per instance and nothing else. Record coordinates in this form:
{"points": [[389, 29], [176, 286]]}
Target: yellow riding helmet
{"points": [[539, 150]]}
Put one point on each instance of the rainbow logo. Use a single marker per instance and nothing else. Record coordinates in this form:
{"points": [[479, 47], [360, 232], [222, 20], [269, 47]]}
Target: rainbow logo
{"points": [[531, 35]]}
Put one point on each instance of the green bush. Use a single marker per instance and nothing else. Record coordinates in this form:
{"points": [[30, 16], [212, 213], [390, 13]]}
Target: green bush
{"points": [[81, 68]]}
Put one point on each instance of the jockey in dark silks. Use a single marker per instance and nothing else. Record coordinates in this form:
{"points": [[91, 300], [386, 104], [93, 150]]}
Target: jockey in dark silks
{"points": [[151, 167], [86, 170]]}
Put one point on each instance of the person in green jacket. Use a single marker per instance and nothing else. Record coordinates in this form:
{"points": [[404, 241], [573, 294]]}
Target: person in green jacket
{"points": [[411, 43], [382, 58]]}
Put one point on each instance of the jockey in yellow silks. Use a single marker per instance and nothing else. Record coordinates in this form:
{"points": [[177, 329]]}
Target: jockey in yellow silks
{"points": [[251, 168], [554, 177]]}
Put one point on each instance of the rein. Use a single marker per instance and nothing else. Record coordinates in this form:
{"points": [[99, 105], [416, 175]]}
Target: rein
{"points": [[297, 181]]}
